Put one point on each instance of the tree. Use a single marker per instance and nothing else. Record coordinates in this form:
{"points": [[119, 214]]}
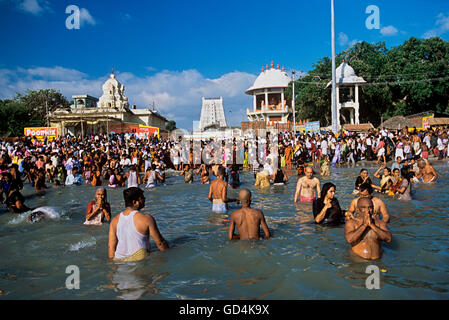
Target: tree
{"points": [[170, 125], [15, 118], [404, 80], [37, 102]]}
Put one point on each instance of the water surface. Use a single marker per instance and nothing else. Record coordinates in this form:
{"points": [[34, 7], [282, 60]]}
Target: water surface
{"points": [[301, 261]]}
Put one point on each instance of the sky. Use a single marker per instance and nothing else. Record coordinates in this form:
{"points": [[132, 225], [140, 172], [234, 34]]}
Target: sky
{"points": [[174, 52]]}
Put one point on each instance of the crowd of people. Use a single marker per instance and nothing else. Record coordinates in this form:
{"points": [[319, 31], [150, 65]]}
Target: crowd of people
{"points": [[125, 161]]}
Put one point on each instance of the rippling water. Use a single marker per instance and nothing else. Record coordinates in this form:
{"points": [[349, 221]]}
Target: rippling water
{"points": [[301, 261]]}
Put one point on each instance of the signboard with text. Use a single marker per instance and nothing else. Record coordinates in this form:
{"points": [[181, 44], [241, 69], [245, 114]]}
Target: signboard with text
{"points": [[41, 132], [312, 126], [139, 130]]}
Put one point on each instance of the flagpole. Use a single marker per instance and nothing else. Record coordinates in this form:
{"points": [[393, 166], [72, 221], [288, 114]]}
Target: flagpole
{"points": [[334, 95]]}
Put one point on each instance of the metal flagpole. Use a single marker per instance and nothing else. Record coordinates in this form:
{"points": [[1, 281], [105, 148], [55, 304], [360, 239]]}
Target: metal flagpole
{"points": [[334, 95], [293, 101]]}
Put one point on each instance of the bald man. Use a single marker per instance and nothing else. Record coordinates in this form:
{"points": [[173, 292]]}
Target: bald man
{"points": [[426, 172], [247, 220], [308, 187], [366, 232], [380, 209]]}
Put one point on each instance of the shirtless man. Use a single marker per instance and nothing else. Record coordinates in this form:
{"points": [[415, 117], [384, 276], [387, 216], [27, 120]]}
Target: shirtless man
{"points": [[426, 172], [129, 231], [366, 232], [306, 186], [218, 193], [380, 209], [247, 220]]}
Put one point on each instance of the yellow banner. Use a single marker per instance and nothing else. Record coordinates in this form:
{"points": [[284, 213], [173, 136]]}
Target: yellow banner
{"points": [[41, 132]]}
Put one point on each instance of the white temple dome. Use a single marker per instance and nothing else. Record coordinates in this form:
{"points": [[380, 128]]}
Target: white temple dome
{"points": [[113, 94], [345, 74], [270, 78]]}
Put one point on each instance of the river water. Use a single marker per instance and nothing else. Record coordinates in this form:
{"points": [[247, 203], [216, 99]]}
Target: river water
{"points": [[301, 261]]}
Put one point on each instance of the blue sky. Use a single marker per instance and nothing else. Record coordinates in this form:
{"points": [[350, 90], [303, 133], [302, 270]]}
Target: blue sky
{"points": [[175, 52]]}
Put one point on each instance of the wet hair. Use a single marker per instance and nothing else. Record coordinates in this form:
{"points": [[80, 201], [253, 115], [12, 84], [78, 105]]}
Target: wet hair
{"points": [[363, 170], [366, 186], [388, 169], [221, 171], [325, 189], [132, 194], [405, 173]]}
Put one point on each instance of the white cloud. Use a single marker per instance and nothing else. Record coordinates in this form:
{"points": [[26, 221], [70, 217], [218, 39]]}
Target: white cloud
{"points": [[34, 7], [343, 40], [441, 27], [389, 31], [85, 17], [177, 95], [56, 73]]}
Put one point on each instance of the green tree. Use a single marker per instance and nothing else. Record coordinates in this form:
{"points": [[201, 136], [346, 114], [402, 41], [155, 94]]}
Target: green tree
{"points": [[170, 125], [404, 80], [38, 102], [16, 117]]}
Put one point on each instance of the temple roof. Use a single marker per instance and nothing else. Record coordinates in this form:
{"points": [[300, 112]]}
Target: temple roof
{"points": [[270, 78]]}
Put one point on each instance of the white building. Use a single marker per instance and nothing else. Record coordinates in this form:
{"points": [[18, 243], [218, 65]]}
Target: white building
{"points": [[347, 102], [269, 102], [212, 113], [111, 113]]}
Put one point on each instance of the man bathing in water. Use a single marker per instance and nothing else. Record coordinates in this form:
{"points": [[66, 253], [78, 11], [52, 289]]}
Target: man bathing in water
{"points": [[365, 232], [426, 172], [218, 193], [308, 187], [380, 209], [129, 231], [247, 220]]}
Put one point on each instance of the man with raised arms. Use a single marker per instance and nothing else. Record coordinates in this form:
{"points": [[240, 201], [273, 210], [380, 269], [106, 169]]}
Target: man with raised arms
{"points": [[308, 187], [380, 209], [366, 232], [218, 193], [247, 220]]}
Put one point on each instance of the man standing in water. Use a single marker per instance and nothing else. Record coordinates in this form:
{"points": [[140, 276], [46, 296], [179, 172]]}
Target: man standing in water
{"points": [[426, 172], [218, 193], [380, 209], [247, 220], [130, 230], [366, 232], [308, 187]]}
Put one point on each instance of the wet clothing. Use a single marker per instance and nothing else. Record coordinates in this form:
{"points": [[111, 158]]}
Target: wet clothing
{"points": [[132, 179], [279, 178], [97, 219], [359, 181], [130, 240], [218, 206], [151, 182], [333, 216], [188, 176], [407, 193]]}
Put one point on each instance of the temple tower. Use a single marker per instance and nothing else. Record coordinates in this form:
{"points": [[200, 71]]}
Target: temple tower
{"points": [[212, 113]]}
